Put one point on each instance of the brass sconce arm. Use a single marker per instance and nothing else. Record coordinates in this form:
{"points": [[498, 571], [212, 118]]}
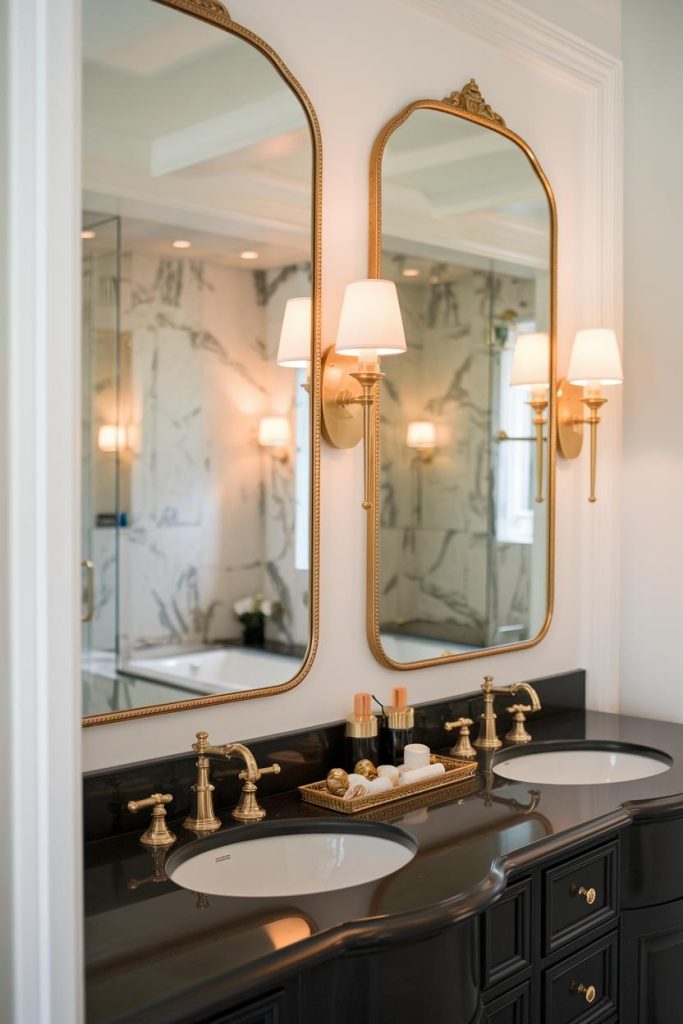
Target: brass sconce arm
{"points": [[539, 405], [367, 375], [594, 402], [571, 423]]}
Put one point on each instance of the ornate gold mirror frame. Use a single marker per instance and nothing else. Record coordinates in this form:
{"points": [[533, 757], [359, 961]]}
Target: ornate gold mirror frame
{"points": [[467, 103], [212, 12]]}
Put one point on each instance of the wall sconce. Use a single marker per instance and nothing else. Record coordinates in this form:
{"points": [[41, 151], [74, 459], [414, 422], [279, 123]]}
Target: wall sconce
{"points": [[112, 438], [295, 337], [594, 363], [531, 369], [370, 326], [274, 433], [421, 435]]}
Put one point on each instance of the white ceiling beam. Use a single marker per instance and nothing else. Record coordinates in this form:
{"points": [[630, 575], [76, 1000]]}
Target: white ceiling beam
{"points": [[263, 120]]}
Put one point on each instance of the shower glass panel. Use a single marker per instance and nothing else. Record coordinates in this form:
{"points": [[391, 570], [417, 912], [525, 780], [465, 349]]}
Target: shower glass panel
{"points": [[101, 452]]}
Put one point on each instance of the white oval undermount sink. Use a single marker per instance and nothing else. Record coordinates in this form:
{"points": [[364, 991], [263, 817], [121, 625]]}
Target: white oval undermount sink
{"points": [[290, 859], [583, 763]]}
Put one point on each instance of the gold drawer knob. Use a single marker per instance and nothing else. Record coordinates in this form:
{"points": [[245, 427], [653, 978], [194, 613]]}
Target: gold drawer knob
{"points": [[589, 992], [589, 895]]}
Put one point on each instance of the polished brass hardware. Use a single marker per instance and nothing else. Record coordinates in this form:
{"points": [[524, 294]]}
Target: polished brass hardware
{"points": [[539, 405], [213, 12], [348, 386], [589, 992], [463, 748], [570, 425], [158, 833], [518, 732], [86, 616], [503, 435], [469, 100], [468, 104], [590, 895], [488, 737], [248, 809]]}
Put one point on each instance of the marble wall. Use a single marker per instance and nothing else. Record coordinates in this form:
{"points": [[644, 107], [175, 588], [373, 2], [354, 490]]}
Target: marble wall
{"points": [[442, 568], [210, 515]]}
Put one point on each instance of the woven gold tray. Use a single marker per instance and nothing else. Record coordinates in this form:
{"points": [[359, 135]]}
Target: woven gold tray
{"points": [[456, 771]]}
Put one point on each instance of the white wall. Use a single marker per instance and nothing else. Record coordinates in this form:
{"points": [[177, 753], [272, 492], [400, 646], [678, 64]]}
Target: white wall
{"points": [[652, 648], [360, 64]]}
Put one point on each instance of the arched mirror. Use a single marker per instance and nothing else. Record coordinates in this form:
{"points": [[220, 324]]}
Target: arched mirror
{"points": [[201, 287], [461, 532]]}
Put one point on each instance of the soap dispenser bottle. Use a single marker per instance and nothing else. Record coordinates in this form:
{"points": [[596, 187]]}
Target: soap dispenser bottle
{"points": [[361, 740], [398, 727]]}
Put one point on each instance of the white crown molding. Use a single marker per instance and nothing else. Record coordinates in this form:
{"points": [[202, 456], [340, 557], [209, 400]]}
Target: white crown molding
{"points": [[525, 36]]}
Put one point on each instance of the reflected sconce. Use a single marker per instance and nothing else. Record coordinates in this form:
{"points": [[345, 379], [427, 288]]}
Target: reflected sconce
{"points": [[295, 336], [531, 369], [594, 363], [370, 326], [274, 433], [112, 438], [421, 436]]}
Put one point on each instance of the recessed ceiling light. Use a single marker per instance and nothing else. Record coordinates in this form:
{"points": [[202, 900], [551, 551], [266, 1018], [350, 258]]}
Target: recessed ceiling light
{"points": [[182, 243], [248, 254], [88, 234], [411, 272]]}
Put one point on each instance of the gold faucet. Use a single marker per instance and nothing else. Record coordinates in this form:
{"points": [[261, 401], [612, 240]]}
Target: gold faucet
{"points": [[488, 737], [248, 809]]}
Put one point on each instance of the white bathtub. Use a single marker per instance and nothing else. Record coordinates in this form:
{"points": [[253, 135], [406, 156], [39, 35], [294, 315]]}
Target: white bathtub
{"points": [[403, 647], [219, 670]]}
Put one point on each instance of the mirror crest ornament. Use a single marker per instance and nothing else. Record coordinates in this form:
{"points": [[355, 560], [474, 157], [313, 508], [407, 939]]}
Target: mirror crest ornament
{"points": [[177, 176], [469, 100], [433, 226]]}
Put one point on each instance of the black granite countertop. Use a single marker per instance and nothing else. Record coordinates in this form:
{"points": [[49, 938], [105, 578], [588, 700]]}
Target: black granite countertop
{"points": [[157, 953]]}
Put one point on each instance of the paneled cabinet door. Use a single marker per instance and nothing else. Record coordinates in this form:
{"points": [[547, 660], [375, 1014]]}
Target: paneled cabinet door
{"points": [[652, 964]]}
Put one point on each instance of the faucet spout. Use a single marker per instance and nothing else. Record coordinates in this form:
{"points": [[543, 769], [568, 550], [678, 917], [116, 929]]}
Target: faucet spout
{"points": [[530, 692]]}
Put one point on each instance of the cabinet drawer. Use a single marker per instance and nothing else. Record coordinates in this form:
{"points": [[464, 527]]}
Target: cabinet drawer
{"points": [[583, 988], [512, 1008], [269, 1010], [579, 895], [506, 935]]}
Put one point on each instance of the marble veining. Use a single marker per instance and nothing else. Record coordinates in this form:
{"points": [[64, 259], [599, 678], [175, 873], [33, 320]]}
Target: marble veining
{"points": [[442, 567], [210, 515]]}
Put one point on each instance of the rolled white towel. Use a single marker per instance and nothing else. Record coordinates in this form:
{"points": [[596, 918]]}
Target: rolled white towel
{"points": [[379, 785], [430, 771], [388, 771]]}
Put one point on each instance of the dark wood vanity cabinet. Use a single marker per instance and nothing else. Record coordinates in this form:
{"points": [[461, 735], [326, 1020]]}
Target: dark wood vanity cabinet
{"points": [[550, 944], [652, 921], [590, 936]]}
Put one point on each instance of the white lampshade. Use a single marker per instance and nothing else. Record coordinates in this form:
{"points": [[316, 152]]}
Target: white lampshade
{"points": [[295, 337], [274, 432], [595, 358], [370, 320], [111, 438], [421, 434], [531, 361]]}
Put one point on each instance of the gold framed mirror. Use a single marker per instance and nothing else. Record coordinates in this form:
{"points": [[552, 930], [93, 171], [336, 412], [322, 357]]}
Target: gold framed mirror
{"points": [[461, 524], [202, 166]]}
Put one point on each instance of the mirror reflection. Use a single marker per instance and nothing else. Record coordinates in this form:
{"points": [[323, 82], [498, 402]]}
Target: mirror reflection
{"points": [[464, 476], [197, 286]]}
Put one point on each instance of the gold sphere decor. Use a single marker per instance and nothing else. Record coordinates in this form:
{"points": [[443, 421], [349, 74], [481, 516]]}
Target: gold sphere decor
{"points": [[366, 768], [337, 781]]}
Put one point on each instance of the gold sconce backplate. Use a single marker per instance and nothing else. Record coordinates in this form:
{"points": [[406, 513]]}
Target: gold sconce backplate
{"points": [[342, 425], [570, 415]]}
